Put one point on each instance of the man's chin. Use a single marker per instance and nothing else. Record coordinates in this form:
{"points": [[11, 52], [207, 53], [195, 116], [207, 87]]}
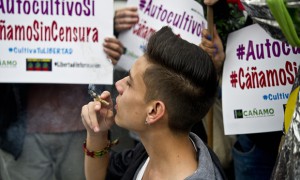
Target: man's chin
{"points": [[117, 120]]}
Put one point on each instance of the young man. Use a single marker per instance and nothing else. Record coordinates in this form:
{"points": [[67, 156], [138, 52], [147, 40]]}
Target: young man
{"points": [[168, 90]]}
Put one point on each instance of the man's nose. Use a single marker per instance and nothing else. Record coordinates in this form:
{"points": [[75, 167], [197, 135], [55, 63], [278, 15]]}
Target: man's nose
{"points": [[120, 85]]}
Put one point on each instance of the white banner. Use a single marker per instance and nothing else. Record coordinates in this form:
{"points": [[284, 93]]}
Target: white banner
{"points": [[186, 18], [258, 75], [57, 41]]}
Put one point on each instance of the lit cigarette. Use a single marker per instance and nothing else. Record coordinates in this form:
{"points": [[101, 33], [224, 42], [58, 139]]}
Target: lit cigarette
{"points": [[97, 98]]}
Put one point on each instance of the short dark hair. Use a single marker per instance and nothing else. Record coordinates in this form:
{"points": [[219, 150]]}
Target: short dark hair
{"points": [[182, 76]]}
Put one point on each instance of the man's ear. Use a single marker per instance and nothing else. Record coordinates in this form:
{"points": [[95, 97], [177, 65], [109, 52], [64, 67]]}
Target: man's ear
{"points": [[156, 111]]}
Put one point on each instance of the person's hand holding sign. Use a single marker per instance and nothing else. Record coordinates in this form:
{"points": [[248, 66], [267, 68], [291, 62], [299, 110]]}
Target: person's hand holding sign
{"points": [[113, 49], [214, 47], [125, 18]]}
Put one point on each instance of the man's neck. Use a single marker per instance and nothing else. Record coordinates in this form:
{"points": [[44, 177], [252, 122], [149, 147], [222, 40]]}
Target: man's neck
{"points": [[171, 156]]}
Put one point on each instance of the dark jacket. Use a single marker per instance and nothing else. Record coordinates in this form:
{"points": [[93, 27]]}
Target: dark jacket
{"points": [[12, 118]]}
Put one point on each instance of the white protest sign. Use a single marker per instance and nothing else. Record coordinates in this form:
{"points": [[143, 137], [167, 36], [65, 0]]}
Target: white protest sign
{"points": [[258, 75], [186, 18], [55, 41]]}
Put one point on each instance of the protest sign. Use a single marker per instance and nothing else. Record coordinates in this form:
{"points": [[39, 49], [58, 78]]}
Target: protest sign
{"points": [[258, 75], [186, 18], [57, 41]]}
